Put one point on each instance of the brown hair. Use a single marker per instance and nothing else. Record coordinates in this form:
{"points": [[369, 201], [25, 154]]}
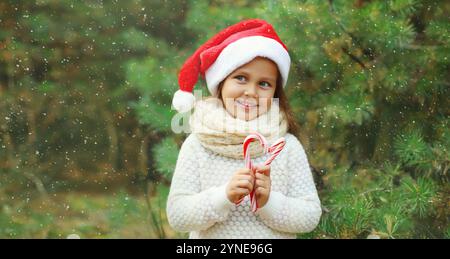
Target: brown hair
{"points": [[293, 126]]}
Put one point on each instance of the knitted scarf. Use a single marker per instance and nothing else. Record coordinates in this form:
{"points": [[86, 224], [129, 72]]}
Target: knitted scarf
{"points": [[221, 133]]}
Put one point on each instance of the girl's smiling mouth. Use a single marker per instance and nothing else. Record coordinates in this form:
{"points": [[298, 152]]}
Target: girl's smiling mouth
{"points": [[245, 105]]}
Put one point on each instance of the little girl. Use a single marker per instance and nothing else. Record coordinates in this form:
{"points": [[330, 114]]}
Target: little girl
{"points": [[246, 67]]}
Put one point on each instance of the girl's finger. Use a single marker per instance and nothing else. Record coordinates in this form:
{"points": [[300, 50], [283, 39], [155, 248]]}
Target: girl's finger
{"points": [[260, 183], [245, 184], [244, 171], [245, 177], [262, 176], [241, 191], [260, 190], [264, 169]]}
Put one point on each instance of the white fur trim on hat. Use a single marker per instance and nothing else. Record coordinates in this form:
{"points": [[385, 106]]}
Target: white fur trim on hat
{"points": [[183, 101], [241, 52]]}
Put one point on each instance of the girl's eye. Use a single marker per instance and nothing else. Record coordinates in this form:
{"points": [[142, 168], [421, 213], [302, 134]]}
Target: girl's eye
{"points": [[264, 83], [240, 78]]}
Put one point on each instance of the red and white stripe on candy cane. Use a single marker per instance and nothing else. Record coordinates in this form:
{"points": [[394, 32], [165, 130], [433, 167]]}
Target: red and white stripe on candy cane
{"points": [[273, 150]]}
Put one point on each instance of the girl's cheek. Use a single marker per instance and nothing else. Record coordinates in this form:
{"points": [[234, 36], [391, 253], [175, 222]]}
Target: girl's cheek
{"points": [[229, 103], [231, 91], [236, 91]]}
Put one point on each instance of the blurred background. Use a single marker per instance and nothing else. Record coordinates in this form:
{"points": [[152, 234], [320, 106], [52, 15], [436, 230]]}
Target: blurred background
{"points": [[86, 147]]}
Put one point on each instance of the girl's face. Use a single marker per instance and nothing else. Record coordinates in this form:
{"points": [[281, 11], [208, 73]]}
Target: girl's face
{"points": [[248, 91]]}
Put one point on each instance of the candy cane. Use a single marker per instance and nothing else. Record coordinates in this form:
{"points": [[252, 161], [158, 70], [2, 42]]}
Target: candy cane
{"points": [[274, 150]]}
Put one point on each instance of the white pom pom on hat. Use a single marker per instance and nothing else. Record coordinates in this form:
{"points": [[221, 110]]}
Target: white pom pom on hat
{"points": [[183, 101], [231, 48]]}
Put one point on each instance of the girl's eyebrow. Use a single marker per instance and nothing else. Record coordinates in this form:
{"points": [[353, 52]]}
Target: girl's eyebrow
{"points": [[241, 72], [245, 73], [268, 78]]}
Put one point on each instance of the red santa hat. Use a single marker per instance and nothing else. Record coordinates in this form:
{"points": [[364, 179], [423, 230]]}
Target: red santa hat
{"points": [[231, 48]]}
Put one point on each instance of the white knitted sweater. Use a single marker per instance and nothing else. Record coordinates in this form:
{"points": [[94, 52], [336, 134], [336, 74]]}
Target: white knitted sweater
{"points": [[198, 203]]}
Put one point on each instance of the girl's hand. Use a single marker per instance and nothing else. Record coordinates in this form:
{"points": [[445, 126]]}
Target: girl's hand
{"points": [[263, 185], [240, 185]]}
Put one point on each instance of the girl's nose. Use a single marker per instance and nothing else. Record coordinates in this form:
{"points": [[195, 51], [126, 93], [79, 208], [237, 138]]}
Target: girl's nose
{"points": [[250, 91]]}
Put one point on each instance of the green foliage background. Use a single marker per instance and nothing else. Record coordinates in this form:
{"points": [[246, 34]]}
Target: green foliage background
{"points": [[86, 145]]}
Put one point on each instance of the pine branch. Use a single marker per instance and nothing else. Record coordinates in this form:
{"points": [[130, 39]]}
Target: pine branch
{"points": [[353, 37], [373, 190], [353, 57]]}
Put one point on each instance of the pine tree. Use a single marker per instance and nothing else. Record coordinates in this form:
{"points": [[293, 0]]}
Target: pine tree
{"points": [[371, 85]]}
